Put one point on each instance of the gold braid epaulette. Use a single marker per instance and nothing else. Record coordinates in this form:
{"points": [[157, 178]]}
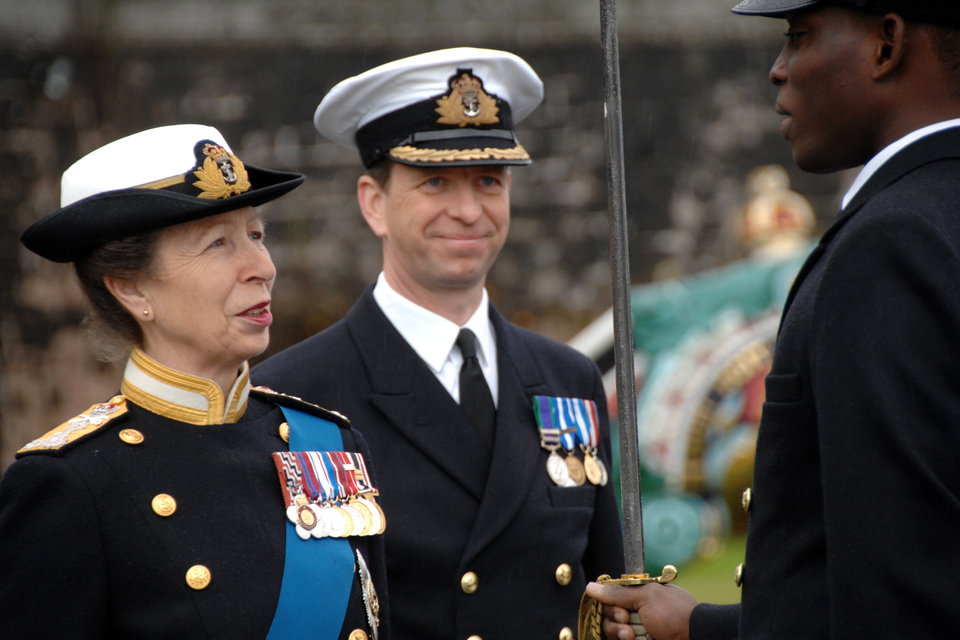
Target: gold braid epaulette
{"points": [[84, 424]]}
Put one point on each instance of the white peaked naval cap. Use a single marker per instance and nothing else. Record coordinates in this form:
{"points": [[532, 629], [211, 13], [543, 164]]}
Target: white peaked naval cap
{"points": [[453, 106]]}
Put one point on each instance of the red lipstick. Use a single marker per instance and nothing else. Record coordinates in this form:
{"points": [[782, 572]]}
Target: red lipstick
{"points": [[258, 313]]}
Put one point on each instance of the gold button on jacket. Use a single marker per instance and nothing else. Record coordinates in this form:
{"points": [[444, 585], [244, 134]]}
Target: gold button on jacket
{"points": [[198, 577], [469, 582], [566, 633], [131, 436], [738, 575], [164, 505], [564, 574], [747, 496]]}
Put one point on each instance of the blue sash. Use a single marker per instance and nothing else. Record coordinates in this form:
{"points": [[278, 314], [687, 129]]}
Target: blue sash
{"points": [[317, 573]]}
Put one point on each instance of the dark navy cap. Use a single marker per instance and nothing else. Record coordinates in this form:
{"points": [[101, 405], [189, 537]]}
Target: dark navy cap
{"points": [[943, 12]]}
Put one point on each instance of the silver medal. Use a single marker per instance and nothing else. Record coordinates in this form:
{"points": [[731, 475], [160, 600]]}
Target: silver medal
{"points": [[605, 476], [357, 519], [335, 522], [557, 469]]}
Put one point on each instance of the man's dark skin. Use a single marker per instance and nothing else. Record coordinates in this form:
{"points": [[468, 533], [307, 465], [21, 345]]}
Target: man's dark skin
{"points": [[851, 83]]}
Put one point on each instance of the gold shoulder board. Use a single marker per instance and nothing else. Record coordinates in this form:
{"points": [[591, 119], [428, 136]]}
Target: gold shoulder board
{"points": [[75, 428]]}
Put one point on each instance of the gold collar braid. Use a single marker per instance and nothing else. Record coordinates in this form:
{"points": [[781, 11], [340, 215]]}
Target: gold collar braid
{"points": [[181, 396]]}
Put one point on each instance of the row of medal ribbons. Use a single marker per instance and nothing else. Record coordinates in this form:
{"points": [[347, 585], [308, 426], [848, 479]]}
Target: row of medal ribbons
{"points": [[328, 494], [566, 423]]}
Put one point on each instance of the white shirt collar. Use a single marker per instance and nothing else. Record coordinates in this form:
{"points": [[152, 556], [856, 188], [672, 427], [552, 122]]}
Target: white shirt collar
{"points": [[433, 337], [891, 150]]}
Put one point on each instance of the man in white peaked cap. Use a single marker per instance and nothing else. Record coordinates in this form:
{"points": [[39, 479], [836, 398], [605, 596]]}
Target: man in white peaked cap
{"points": [[491, 442]]}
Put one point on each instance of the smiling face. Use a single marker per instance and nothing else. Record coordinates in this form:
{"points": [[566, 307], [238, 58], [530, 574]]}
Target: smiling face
{"points": [[825, 74], [209, 295], [442, 228]]}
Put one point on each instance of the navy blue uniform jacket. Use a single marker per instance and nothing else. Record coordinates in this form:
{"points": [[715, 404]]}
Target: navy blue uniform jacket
{"points": [[83, 555], [452, 506], [856, 499]]}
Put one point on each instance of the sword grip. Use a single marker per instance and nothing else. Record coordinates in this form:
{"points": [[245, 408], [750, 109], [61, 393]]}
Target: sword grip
{"points": [[637, 625]]}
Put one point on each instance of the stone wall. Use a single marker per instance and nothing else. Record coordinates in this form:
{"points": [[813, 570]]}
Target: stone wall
{"points": [[75, 74]]}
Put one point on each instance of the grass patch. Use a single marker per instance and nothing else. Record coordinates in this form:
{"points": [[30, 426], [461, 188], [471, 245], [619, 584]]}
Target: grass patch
{"points": [[712, 580]]}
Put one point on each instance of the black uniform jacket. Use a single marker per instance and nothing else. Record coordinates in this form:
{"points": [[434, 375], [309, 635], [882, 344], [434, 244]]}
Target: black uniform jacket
{"points": [[83, 555], [856, 500], [452, 506]]}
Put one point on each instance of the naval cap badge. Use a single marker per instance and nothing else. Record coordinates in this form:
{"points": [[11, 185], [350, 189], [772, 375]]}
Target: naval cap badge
{"points": [[220, 173], [467, 102]]}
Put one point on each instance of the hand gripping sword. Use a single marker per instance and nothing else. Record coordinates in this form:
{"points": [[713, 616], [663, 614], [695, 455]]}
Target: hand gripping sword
{"points": [[591, 612]]}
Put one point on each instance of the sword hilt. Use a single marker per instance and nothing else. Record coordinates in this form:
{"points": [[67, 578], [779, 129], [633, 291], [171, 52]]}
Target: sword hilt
{"points": [[669, 574], [591, 611], [637, 625]]}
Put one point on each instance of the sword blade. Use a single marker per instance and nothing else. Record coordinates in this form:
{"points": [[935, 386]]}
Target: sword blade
{"points": [[622, 313]]}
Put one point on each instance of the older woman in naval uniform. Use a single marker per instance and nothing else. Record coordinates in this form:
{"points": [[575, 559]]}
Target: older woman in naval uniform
{"points": [[190, 505]]}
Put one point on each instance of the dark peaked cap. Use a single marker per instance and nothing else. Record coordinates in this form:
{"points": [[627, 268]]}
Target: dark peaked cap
{"points": [[940, 12]]}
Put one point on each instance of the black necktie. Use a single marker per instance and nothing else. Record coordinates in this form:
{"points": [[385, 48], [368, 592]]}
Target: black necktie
{"points": [[475, 398]]}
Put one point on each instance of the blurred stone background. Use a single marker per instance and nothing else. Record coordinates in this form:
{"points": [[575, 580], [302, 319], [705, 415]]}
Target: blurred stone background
{"points": [[76, 74]]}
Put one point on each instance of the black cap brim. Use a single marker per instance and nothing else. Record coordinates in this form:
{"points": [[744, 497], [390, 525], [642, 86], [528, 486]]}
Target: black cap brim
{"points": [[772, 8], [938, 12]]}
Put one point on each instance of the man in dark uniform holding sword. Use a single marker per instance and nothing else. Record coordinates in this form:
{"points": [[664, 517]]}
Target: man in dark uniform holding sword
{"points": [[856, 494]]}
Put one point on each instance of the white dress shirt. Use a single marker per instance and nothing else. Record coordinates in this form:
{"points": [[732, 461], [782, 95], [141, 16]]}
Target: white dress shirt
{"points": [[434, 338], [891, 150]]}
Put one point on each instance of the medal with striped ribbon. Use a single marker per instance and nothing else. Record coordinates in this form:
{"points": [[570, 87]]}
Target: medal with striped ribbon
{"points": [[328, 494], [569, 436], [550, 439], [588, 432]]}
